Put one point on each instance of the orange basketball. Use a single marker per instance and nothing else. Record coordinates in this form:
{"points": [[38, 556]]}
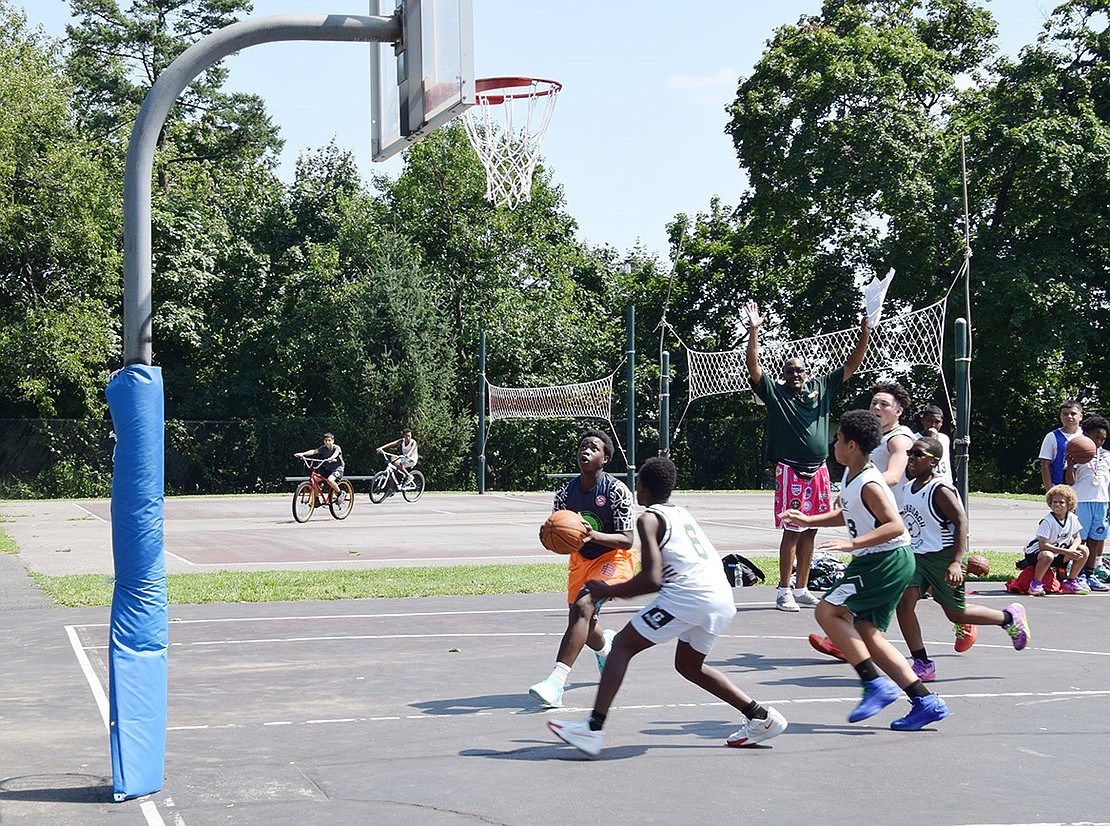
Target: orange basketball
{"points": [[978, 565], [563, 532], [1081, 449]]}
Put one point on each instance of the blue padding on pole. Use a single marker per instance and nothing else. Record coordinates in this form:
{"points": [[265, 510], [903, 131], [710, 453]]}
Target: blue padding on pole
{"points": [[138, 642]]}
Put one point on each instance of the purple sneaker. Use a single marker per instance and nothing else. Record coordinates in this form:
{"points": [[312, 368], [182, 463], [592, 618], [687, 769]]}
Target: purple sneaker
{"points": [[1036, 588], [877, 695], [1019, 628], [923, 710], [926, 670]]}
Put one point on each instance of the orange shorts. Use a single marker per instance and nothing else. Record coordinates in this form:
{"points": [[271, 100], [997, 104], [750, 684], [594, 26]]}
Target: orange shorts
{"points": [[618, 565]]}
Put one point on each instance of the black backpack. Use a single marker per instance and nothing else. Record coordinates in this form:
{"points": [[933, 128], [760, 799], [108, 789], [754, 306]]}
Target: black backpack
{"points": [[743, 569]]}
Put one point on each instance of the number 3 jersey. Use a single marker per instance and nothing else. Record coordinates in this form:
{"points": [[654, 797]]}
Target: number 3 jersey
{"points": [[695, 588], [858, 519]]}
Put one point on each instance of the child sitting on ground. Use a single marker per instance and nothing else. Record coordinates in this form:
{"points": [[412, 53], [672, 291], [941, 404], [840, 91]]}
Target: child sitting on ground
{"points": [[1057, 542]]}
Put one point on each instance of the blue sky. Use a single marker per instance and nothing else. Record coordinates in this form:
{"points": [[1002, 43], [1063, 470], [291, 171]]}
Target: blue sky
{"points": [[638, 131]]}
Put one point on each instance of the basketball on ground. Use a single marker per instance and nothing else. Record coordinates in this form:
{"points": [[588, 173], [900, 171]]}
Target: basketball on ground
{"points": [[978, 565], [1081, 449], [563, 532]]}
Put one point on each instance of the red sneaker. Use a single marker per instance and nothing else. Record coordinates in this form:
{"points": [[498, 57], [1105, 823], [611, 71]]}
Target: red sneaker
{"points": [[966, 635], [825, 646]]}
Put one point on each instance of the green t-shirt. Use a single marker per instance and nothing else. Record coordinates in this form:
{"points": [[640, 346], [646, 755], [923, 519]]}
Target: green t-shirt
{"points": [[798, 424]]}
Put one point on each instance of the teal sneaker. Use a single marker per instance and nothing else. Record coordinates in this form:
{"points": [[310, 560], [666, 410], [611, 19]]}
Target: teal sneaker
{"points": [[608, 633], [548, 692]]}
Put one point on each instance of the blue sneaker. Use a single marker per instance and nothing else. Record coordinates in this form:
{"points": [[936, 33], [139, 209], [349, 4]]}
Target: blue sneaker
{"points": [[877, 695], [923, 710], [1095, 584]]}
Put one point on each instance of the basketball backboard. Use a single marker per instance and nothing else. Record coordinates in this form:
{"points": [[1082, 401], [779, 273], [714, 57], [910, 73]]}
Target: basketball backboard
{"points": [[427, 79]]}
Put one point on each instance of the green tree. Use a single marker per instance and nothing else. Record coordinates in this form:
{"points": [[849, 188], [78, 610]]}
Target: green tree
{"points": [[517, 274], [59, 238], [1039, 166], [115, 57], [841, 128]]}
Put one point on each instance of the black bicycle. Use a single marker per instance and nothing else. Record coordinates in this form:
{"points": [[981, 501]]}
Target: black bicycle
{"points": [[387, 482]]}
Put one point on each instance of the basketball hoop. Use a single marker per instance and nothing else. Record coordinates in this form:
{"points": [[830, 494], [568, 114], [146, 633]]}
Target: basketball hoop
{"points": [[506, 126]]}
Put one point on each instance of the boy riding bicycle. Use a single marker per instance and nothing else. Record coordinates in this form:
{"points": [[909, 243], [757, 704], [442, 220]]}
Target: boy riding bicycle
{"points": [[331, 461], [407, 458]]}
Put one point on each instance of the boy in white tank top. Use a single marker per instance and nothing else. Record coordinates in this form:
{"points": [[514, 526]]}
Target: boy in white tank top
{"points": [[693, 604], [856, 611], [937, 525]]}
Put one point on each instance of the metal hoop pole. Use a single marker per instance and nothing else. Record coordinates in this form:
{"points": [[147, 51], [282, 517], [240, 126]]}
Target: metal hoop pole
{"points": [[137, 305]]}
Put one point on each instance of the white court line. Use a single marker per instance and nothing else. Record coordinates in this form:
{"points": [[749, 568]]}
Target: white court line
{"points": [[179, 557], [86, 668], [147, 807], [528, 712], [89, 512]]}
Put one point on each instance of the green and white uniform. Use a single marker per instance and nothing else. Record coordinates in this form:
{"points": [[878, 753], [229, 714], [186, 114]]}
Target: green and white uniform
{"points": [[931, 537], [877, 576], [695, 603]]}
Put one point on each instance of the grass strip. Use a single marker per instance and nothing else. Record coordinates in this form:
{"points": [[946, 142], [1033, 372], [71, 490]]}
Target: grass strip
{"points": [[7, 544], [87, 590]]}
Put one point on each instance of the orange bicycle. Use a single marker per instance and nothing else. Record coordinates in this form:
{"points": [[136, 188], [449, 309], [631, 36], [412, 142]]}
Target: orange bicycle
{"points": [[317, 492]]}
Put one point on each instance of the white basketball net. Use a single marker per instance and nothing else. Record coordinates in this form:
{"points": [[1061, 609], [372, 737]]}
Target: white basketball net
{"points": [[898, 345], [591, 399], [586, 400], [506, 126]]}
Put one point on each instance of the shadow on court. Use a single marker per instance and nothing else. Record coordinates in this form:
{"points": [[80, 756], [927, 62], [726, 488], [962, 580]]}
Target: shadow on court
{"points": [[359, 711], [416, 711]]}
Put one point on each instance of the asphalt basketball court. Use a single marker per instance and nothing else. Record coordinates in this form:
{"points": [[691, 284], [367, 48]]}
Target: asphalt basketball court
{"points": [[416, 710]]}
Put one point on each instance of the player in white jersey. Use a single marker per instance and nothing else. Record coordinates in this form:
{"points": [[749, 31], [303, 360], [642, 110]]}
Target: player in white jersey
{"points": [[857, 610], [693, 604], [937, 525], [1091, 483], [888, 402], [1058, 542]]}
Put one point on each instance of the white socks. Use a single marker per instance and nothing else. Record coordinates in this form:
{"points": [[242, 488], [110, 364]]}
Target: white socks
{"points": [[560, 673]]}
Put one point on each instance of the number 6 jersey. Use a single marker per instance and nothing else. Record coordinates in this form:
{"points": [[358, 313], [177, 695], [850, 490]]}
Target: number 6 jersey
{"points": [[695, 588]]}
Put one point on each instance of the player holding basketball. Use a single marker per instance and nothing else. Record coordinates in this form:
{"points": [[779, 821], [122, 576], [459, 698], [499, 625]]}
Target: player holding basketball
{"points": [[857, 610], [1091, 483], [605, 503], [798, 442], [937, 525], [1052, 448], [693, 604]]}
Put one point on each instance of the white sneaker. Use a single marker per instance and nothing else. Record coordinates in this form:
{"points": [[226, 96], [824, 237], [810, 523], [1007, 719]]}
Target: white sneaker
{"points": [[608, 633], [756, 731], [548, 692], [785, 600], [803, 597], [579, 735]]}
